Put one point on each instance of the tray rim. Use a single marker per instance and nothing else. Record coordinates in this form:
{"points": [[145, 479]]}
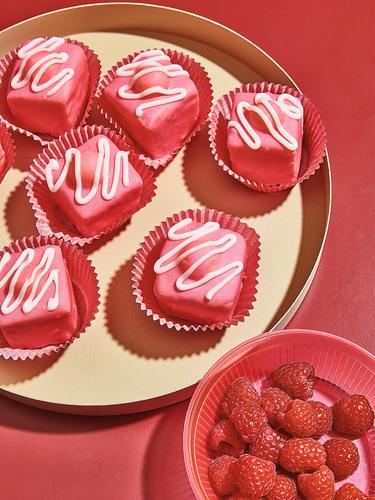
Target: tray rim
{"points": [[184, 393]]}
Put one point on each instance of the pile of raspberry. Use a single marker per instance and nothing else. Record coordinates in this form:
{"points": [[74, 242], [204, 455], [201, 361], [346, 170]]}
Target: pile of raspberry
{"points": [[268, 445]]}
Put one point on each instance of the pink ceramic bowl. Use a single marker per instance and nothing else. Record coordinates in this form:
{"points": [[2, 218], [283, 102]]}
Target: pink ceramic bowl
{"points": [[341, 367]]}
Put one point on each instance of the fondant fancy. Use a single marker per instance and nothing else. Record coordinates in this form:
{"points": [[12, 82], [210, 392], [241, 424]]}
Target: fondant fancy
{"points": [[155, 101], [49, 85], [186, 248], [94, 185], [149, 77], [37, 302], [200, 271], [2, 157], [265, 137], [101, 174], [33, 70]]}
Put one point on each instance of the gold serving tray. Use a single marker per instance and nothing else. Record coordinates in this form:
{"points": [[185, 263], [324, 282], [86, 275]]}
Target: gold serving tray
{"points": [[126, 362]]}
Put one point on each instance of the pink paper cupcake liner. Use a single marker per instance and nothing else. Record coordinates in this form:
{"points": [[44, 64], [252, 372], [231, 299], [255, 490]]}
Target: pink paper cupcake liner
{"points": [[314, 135], [199, 76], [49, 219], [341, 368], [6, 142], [86, 292], [6, 64], [143, 275]]}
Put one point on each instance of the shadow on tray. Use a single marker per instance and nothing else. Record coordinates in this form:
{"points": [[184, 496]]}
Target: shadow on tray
{"points": [[141, 335], [19, 216], [214, 188]]}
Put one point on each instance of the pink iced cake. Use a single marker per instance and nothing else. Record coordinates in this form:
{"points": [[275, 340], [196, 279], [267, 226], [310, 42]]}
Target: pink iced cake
{"points": [[2, 157], [155, 101], [49, 85], [37, 303], [200, 272], [94, 185], [265, 137]]}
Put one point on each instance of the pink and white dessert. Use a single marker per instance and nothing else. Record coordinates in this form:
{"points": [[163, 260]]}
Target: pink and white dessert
{"points": [[94, 185], [37, 302], [265, 137], [155, 101], [2, 157], [49, 85], [200, 272]]}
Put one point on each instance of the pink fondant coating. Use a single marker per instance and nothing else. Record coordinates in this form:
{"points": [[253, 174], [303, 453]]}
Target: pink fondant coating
{"points": [[57, 113], [272, 163], [2, 157], [93, 217], [192, 304], [161, 129], [40, 327]]}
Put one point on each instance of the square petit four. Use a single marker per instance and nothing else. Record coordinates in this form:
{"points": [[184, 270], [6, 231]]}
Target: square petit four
{"points": [[49, 85], [199, 274], [2, 157], [94, 185], [265, 137], [37, 302], [155, 101]]}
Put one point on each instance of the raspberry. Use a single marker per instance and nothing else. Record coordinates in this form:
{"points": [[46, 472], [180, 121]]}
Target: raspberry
{"points": [[274, 400], [350, 492], [267, 444], [239, 496], [239, 393], [302, 455], [256, 477], [320, 485], [225, 440], [323, 418], [342, 457], [284, 489], [352, 416], [296, 379], [298, 420], [222, 474], [248, 421], [306, 419]]}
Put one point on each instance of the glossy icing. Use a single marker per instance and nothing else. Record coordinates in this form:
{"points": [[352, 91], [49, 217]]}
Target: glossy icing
{"points": [[180, 252], [287, 104], [37, 71], [101, 175], [147, 63], [16, 296], [265, 136]]}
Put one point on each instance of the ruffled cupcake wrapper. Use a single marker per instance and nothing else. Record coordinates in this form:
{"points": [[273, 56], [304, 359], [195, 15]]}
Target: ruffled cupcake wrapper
{"points": [[49, 219], [6, 142], [202, 82], [143, 275], [6, 64], [85, 286], [314, 135]]}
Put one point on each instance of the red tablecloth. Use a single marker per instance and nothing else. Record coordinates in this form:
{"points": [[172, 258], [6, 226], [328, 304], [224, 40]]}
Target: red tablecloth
{"points": [[328, 48]]}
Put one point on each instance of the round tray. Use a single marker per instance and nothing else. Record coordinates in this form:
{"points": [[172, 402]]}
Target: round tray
{"points": [[126, 362]]}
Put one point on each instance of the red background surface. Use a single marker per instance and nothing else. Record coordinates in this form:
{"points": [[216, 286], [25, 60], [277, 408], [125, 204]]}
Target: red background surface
{"points": [[328, 48]]}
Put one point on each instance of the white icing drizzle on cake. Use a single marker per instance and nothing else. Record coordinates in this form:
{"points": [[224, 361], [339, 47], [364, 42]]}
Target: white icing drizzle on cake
{"points": [[177, 254], [36, 72], [102, 172], [288, 104], [145, 63], [13, 300]]}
